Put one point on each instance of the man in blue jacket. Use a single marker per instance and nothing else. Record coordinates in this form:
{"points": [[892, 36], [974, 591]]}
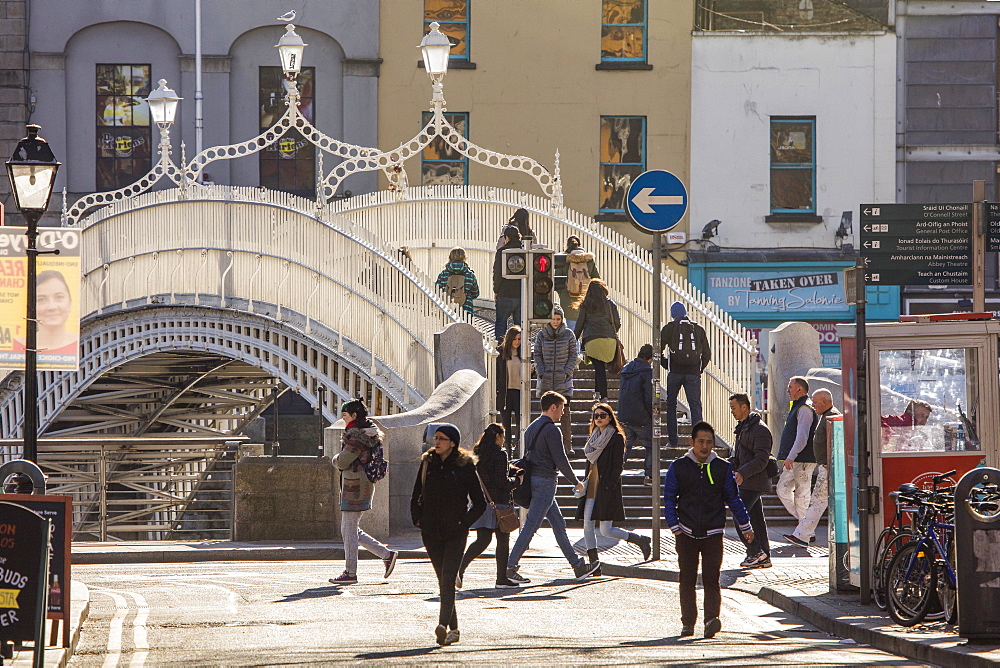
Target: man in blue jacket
{"points": [[635, 406], [548, 457], [696, 490]]}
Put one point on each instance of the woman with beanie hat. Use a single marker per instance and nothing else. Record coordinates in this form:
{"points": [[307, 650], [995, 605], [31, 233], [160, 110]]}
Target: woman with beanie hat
{"points": [[689, 354], [361, 437], [446, 500]]}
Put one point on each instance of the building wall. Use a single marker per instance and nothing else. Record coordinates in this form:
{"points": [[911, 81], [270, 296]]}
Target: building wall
{"points": [[948, 134], [535, 89], [950, 98], [238, 37], [740, 81], [14, 95]]}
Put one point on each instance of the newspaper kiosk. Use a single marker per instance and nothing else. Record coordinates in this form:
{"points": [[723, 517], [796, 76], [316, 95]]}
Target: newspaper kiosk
{"points": [[933, 404]]}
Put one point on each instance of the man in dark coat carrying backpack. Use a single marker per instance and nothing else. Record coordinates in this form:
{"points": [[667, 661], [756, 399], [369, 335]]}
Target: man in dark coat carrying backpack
{"points": [[689, 354]]}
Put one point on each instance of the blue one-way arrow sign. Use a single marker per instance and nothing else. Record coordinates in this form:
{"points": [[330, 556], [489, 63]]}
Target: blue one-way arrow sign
{"points": [[656, 201]]}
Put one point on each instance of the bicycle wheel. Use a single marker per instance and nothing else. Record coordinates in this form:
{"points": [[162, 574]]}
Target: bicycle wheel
{"points": [[910, 585], [947, 593], [892, 540]]}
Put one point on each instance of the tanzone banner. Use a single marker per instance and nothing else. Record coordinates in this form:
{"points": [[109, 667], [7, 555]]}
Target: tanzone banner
{"points": [[57, 298]]}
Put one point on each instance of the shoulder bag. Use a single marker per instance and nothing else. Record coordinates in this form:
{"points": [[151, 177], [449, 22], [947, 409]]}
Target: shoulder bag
{"points": [[772, 467], [507, 517], [522, 493]]}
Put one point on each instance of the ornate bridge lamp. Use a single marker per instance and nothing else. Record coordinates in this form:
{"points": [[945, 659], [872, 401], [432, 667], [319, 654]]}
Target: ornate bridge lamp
{"points": [[32, 172], [290, 48], [163, 106], [435, 49]]}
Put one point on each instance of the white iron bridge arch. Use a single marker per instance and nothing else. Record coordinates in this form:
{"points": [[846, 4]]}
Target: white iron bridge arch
{"points": [[257, 276]]}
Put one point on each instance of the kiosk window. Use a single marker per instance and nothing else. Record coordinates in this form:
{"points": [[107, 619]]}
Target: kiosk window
{"points": [[929, 400]]}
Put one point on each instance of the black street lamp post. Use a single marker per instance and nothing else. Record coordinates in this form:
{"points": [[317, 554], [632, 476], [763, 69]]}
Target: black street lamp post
{"points": [[32, 171]]}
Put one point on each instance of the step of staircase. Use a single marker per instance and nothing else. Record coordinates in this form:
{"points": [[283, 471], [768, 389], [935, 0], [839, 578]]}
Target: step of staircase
{"points": [[637, 497]]}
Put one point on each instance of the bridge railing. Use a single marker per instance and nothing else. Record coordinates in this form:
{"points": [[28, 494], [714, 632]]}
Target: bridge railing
{"points": [[430, 220], [266, 252], [146, 489]]}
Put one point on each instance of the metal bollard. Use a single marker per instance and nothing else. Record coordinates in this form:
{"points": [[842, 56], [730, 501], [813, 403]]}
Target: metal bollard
{"points": [[977, 550]]}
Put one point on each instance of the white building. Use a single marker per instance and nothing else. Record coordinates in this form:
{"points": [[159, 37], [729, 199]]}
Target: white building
{"points": [[790, 128]]}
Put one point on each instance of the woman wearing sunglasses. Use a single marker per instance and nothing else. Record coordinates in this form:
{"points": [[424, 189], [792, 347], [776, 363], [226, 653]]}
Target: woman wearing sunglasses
{"points": [[602, 501]]}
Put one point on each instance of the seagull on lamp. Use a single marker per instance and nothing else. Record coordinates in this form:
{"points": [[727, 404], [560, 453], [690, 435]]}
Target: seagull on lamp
{"points": [[710, 230], [287, 17], [846, 220], [844, 231]]}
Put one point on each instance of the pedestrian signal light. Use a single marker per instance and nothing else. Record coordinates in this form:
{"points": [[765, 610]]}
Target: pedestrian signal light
{"points": [[515, 264], [541, 286]]}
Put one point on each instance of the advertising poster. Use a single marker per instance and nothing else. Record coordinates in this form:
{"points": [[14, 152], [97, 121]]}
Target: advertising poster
{"points": [[24, 542], [57, 300]]}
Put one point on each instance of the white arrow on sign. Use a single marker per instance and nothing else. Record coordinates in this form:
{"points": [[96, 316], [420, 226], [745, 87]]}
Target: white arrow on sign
{"points": [[866, 211], [646, 200], [867, 228]]}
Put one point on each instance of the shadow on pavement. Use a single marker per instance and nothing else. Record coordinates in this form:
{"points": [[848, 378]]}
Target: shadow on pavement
{"points": [[318, 592]]}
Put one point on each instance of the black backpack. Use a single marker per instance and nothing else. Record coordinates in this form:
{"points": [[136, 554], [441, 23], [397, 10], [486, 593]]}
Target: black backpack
{"points": [[687, 353]]}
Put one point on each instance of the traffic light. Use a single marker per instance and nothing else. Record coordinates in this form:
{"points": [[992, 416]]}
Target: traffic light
{"points": [[515, 263], [542, 284]]}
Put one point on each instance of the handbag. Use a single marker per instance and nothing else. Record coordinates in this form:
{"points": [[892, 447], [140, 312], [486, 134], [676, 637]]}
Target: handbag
{"points": [[772, 466], [507, 518], [522, 493]]}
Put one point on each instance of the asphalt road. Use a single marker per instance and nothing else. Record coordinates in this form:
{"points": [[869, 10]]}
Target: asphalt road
{"points": [[270, 613]]}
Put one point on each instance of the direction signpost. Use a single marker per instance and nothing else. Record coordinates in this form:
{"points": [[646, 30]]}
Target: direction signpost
{"points": [[656, 202], [993, 227], [917, 244]]}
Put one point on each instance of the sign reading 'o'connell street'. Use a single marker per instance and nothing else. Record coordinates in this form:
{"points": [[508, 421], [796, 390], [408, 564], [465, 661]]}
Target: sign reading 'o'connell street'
{"points": [[917, 244]]}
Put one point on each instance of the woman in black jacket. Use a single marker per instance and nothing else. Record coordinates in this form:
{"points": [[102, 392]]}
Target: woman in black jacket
{"points": [[596, 328], [602, 502], [446, 500], [494, 471]]}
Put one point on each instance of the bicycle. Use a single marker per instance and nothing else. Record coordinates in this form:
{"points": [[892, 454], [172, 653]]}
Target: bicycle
{"points": [[923, 570], [892, 537]]}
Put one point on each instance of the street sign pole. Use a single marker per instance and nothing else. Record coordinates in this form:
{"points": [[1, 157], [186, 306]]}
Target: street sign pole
{"points": [[861, 433], [656, 202], [655, 442], [525, 408], [978, 246]]}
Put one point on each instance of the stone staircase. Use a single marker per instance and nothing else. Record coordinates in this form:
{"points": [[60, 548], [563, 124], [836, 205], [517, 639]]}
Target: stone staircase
{"points": [[636, 496]]}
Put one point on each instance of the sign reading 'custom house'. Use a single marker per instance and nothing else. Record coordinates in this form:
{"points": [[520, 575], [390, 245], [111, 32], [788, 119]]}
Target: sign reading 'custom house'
{"points": [[917, 244]]}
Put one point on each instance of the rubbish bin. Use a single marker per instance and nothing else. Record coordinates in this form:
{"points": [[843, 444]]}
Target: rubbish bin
{"points": [[21, 476], [977, 550]]}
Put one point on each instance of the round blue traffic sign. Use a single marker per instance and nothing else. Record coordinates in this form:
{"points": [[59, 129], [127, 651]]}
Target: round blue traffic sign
{"points": [[656, 201]]}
